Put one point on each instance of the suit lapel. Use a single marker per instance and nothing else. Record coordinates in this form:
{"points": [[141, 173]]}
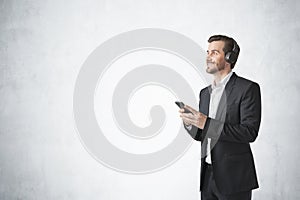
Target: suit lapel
{"points": [[221, 112], [204, 101]]}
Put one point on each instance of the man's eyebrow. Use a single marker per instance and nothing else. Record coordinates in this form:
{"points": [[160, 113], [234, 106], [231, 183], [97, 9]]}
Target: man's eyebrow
{"points": [[214, 50]]}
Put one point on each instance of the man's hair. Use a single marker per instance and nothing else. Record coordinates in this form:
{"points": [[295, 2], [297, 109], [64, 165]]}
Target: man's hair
{"points": [[229, 44]]}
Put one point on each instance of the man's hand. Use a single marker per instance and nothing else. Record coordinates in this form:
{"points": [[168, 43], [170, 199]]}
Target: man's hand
{"points": [[195, 118]]}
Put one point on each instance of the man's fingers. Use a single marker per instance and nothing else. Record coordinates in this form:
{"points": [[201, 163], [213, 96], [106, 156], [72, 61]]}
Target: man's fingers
{"points": [[181, 110], [189, 120], [188, 115], [186, 122], [190, 109]]}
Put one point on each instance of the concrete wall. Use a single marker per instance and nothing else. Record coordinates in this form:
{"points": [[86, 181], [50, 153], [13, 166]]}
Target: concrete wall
{"points": [[43, 45]]}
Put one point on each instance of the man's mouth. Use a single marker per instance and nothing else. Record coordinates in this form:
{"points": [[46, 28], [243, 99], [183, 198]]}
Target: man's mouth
{"points": [[209, 63]]}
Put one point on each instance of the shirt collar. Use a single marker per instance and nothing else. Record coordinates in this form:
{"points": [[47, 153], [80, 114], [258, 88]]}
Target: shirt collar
{"points": [[223, 82]]}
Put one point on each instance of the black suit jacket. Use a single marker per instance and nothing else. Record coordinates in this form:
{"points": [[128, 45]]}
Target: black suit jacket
{"points": [[235, 126]]}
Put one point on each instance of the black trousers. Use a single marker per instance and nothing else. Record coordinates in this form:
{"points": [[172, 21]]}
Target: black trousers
{"points": [[211, 192]]}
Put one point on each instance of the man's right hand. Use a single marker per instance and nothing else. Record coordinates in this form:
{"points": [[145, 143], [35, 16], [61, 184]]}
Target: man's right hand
{"points": [[194, 118]]}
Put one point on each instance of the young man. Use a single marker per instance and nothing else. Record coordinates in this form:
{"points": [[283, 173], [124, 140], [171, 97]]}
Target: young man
{"points": [[227, 122]]}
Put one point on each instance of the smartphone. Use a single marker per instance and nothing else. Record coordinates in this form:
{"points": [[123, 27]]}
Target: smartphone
{"points": [[181, 105]]}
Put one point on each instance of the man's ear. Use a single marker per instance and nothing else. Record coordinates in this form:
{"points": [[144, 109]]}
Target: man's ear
{"points": [[227, 64]]}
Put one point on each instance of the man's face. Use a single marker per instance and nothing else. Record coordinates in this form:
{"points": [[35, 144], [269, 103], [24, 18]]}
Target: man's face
{"points": [[215, 59]]}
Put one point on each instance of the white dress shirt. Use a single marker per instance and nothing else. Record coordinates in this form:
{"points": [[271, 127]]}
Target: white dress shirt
{"points": [[215, 97]]}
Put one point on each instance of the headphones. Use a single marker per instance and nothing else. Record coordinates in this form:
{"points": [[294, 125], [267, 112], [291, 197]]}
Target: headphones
{"points": [[232, 56]]}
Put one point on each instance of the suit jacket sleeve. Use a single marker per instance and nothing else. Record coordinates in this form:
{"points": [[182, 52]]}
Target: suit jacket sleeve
{"points": [[195, 132], [250, 115]]}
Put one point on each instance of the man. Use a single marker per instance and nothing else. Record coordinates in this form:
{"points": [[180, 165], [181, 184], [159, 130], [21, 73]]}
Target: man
{"points": [[227, 122]]}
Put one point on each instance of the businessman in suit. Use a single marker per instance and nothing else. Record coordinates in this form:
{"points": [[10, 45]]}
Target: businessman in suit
{"points": [[227, 122]]}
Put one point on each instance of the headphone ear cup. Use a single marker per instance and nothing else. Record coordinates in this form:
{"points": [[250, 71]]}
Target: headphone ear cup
{"points": [[228, 57], [231, 57]]}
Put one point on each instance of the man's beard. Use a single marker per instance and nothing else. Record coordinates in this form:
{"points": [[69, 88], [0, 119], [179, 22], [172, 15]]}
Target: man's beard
{"points": [[213, 68]]}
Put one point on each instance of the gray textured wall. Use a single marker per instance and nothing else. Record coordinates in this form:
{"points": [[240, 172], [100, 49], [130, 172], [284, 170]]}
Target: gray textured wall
{"points": [[42, 47]]}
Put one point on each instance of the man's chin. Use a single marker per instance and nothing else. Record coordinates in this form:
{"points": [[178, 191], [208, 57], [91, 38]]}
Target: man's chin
{"points": [[211, 71]]}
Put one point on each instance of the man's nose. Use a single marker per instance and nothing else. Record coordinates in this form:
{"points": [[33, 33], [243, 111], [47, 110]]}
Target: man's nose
{"points": [[208, 57]]}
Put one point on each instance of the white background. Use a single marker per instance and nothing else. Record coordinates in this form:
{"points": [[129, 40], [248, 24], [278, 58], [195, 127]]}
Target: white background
{"points": [[44, 44]]}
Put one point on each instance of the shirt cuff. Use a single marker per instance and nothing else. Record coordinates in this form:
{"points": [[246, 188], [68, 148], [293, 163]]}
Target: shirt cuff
{"points": [[189, 127]]}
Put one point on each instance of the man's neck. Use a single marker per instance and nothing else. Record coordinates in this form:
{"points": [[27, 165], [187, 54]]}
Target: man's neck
{"points": [[218, 76]]}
